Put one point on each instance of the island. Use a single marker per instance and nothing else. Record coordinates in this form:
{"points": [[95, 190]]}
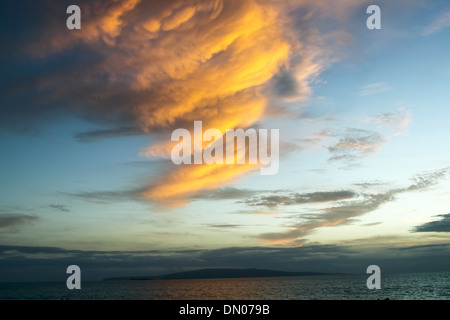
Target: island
{"points": [[220, 273]]}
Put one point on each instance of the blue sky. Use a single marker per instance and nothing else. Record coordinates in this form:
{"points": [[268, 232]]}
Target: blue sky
{"points": [[87, 116]]}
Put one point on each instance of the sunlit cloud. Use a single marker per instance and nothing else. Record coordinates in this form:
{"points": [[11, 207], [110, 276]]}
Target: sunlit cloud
{"points": [[150, 67]]}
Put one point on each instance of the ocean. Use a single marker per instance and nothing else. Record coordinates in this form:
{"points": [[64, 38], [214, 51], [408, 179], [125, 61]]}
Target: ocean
{"points": [[402, 286]]}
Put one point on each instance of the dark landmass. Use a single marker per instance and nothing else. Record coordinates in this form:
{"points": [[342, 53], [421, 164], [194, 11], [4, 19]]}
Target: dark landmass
{"points": [[220, 274], [131, 278]]}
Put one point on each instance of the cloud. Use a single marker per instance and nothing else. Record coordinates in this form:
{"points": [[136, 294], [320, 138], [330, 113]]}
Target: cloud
{"points": [[355, 144], [59, 207], [15, 219], [366, 185], [227, 193], [276, 199], [328, 217], [441, 22], [442, 225], [106, 196], [374, 88], [149, 67], [346, 211], [428, 178], [397, 121], [292, 236], [371, 224], [225, 226], [94, 135]]}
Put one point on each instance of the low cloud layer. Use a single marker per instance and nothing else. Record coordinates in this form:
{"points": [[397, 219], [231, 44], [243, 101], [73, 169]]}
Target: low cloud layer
{"points": [[21, 263]]}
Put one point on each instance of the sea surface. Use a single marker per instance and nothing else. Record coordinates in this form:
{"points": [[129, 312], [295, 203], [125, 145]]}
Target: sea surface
{"points": [[403, 286]]}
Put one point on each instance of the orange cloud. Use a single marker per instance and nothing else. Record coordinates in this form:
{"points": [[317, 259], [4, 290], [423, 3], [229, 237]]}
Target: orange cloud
{"points": [[217, 80], [164, 65], [188, 180]]}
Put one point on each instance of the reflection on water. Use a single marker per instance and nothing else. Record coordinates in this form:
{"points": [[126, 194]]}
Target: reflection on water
{"points": [[415, 286]]}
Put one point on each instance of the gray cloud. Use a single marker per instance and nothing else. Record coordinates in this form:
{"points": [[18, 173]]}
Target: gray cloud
{"points": [[91, 136], [285, 84], [441, 22], [225, 226], [366, 185], [346, 212], [274, 200], [59, 207], [15, 219], [374, 88], [428, 178], [442, 225], [227, 193], [371, 224], [329, 217]]}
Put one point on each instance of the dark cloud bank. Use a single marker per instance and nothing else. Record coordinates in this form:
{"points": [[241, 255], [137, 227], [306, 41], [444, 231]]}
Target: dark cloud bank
{"points": [[21, 263], [442, 225]]}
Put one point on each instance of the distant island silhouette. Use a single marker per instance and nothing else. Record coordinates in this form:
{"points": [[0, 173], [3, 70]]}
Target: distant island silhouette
{"points": [[220, 274]]}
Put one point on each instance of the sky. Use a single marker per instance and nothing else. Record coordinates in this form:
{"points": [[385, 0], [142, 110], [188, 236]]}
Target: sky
{"points": [[87, 116]]}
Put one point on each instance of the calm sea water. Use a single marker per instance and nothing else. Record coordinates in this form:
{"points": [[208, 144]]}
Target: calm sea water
{"points": [[410, 286]]}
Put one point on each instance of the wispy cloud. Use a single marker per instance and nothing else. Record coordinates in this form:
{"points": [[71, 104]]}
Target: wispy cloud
{"points": [[355, 144], [94, 135], [106, 196], [441, 22], [20, 263], [374, 88], [59, 207], [227, 193], [398, 121], [345, 212], [283, 199], [224, 225]]}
